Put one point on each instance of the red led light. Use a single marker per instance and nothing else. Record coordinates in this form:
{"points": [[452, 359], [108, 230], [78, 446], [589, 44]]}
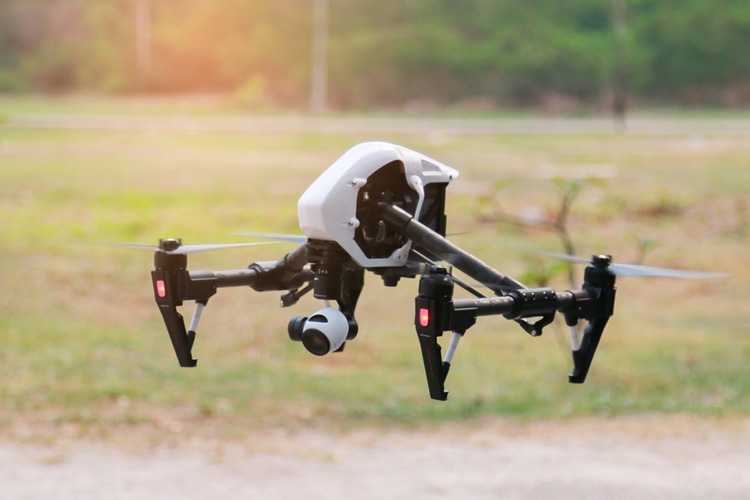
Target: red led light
{"points": [[424, 317], [161, 288]]}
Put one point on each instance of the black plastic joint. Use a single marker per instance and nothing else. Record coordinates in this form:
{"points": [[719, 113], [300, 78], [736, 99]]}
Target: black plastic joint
{"points": [[532, 302], [437, 284]]}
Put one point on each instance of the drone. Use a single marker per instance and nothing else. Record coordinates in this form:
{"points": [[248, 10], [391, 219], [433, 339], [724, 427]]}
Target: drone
{"points": [[381, 208]]}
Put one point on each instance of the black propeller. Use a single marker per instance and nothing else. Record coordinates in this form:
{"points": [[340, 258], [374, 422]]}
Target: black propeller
{"points": [[636, 270]]}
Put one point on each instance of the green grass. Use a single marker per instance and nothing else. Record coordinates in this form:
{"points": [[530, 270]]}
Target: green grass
{"points": [[82, 342]]}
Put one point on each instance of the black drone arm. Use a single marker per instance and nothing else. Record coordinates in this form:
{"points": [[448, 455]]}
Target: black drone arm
{"points": [[174, 284], [436, 311], [426, 238]]}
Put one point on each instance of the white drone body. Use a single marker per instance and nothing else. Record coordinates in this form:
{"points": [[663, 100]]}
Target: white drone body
{"points": [[334, 206]]}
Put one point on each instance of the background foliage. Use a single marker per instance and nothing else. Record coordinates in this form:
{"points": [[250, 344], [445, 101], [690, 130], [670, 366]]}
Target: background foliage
{"points": [[490, 52]]}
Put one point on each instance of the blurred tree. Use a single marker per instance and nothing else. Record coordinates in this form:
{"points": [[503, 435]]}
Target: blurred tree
{"points": [[12, 45], [691, 49], [382, 53], [445, 51], [620, 80]]}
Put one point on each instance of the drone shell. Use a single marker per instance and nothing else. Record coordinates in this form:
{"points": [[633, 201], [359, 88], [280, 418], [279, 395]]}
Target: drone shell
{"points": [[327, 210]]}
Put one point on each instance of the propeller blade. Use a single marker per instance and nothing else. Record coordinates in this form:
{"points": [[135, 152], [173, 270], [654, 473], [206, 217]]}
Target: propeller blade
{"points": [[633, 270], [138, 246], [185, 249], [291, 238], [636, 270], [220, 246], [561, 256]]}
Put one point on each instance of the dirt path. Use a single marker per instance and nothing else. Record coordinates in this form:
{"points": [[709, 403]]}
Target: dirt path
{"points": [[659, 458]]}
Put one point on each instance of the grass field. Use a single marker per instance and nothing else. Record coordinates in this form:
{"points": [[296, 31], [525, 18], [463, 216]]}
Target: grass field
{"points": [[83, 349]]}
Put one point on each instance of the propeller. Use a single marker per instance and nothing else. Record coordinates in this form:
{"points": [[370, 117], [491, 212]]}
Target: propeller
{"points": [[636, 270], [174, 246], [291, 238]]}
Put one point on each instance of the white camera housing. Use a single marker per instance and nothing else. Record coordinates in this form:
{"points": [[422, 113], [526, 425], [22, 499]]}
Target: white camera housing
{"points": [[325, 331], [331, 208]]}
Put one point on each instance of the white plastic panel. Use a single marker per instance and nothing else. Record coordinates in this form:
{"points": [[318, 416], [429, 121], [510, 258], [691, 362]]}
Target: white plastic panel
{"points": [[327, 210]]}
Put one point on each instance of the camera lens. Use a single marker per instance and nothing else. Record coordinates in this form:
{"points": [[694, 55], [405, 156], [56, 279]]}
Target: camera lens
{"points": [[316, 342]]}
